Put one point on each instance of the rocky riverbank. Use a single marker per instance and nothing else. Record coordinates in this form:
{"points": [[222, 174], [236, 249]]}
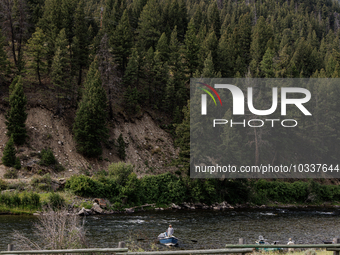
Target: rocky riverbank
{"points": [[103, 207]]}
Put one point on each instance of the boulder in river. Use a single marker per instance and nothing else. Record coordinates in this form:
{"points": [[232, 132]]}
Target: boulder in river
{"points": [[101, 202], [186, 205], [129, 210], [83, 212], [174, 206], [96, 208]]}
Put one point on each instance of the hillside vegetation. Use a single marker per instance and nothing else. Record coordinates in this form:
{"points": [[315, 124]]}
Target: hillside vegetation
{"points": [[107, 81]]}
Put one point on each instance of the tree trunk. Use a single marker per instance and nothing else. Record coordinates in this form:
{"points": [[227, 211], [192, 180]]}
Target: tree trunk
{"points": [[38, 72], [79, 75], [257, 153]]}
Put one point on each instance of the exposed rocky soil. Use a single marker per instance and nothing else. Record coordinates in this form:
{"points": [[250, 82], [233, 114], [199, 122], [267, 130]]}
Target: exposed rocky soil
{"points": [[149, 148]]}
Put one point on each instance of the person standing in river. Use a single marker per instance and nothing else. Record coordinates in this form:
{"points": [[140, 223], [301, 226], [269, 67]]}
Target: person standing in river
{"points": [[170, 231]]}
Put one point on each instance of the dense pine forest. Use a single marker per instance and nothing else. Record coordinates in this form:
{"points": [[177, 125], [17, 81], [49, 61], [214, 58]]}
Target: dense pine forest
{"points": [[86, 53]]}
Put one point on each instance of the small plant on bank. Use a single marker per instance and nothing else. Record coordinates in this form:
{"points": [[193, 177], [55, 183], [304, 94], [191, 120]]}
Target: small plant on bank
{"points": [[11, 174], [3, 185], [43, 183], [47, 158], [27, 201], [56, 201], [9, 158], [86, 205]]}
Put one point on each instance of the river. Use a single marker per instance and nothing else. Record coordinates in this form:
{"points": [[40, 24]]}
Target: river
{"points": [[211, 229]]}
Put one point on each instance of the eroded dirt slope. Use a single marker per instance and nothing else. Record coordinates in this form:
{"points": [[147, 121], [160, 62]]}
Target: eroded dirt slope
{"points": [[149, 148]]}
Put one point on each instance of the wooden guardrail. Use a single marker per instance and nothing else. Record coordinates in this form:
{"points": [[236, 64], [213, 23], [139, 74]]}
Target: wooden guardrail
{"points": [[335, 246], [111, 250], [230, 248], [124, 251], [311, 246], [121, 250], [214, 251]]}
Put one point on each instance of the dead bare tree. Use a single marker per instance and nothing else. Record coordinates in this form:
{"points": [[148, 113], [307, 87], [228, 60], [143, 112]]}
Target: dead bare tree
{"points": [[54, 230], [14, 23]]}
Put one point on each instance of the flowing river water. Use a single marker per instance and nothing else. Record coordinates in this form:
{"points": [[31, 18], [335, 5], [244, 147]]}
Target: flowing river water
{"points": [[211, 229]]}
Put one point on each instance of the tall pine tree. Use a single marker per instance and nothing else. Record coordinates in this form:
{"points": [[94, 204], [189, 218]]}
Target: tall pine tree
{"points": [[16, 116], [90, 122], [80, 41], [61, 68], [36, 50], [122, 41], [191, 48], [149, 27], [4, 63]]}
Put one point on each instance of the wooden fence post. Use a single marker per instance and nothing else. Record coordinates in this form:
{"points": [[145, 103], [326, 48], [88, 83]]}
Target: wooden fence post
{"points": [[121, 244], [242, 241], [10, 247], [336, 240]]}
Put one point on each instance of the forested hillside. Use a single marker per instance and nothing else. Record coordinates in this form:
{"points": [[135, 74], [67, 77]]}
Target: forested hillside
{"points": [[105, 58]]}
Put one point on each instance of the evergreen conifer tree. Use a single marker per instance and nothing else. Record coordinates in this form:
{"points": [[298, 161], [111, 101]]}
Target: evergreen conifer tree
{"points": [[36, 49], [80, 47], [209, 70], [191, 48], [214, 18], [260, 37], [163, 48], [149, 25], [4, 63], [16, 116], [183, 140], [266, 64], [121, 147], [60, 70], [131, 75], [9, 158], [90, 122], [122, 41]]}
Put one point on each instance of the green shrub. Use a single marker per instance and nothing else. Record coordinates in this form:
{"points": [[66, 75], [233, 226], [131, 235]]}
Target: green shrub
{"points": [[27, 201], [11, 174], [56, 201], [47, 158], [163, 189], [42, 182], [3, 184], [9, 158], [86, 205], [35, 200], [120, 172], [84, 186], [15, 200], [17, 164], [58, 167]]}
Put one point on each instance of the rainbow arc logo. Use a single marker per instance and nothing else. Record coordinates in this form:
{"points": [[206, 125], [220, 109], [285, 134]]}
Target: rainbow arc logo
{"points": [[204, 97], [208, 92]]}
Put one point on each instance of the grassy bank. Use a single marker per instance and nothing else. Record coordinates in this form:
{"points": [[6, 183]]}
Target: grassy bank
{"points": [[123, 189]]}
